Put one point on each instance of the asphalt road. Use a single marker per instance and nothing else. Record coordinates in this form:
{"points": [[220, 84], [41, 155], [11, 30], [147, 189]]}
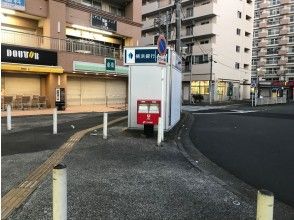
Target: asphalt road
{"points": [[256, 147], [34, 133]]}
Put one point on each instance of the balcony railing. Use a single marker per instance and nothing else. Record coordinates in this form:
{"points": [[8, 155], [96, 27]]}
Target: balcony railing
{"points": [[68, 45]]}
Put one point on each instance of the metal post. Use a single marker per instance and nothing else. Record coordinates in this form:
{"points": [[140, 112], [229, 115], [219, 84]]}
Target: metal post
{"points": [[265, 205], [55, 121], [178, 27], [166, 25], [256, 91], [159, 132], [59, 192], [105, 116], [8, 117], [210, 80], [163, 97], [190, 89]]}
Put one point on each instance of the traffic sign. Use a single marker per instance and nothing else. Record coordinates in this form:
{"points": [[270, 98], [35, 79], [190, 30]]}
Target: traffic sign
{"points": [[161, 45]]}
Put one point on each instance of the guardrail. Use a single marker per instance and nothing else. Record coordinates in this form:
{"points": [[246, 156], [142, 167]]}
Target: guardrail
{"points": [[68, 45], [271, 100]]}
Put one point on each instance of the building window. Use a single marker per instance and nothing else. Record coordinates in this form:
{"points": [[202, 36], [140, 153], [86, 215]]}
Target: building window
{"points": [[291, 59], [272, 50], [238, 31], [272, 60], [292, 19], [291, 39], [237, 48], [204, 41], [189, 30], [221, 88], [237, 65], [274, 2], [189, 12], [199, 59], [271, 71], [273, 31], [200, 87], [291, 29], [239, 14], [272, 41], [275, 11]]}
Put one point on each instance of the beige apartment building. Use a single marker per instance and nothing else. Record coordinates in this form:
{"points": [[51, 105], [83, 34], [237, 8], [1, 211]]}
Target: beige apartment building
{"points": [[217, 29], [72, 44], [273, 48]]}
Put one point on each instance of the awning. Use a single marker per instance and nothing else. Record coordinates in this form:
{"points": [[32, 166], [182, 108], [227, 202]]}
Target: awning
{"points": [[30, 68]]}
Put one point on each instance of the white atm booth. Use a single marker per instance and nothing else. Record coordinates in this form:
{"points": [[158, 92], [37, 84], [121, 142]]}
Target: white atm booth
{"points": [[155, 86]]}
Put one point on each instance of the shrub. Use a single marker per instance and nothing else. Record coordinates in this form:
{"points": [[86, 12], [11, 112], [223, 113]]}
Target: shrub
{"points": [[197, 97]]}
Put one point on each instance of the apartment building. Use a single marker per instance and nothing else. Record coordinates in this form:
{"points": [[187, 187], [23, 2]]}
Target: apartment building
{"points": [[216, 38], [273, 48], [72, 44]]}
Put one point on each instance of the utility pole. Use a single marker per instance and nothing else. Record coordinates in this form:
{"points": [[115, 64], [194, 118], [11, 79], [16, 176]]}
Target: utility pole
{"points": [[210, 80], [166, 25], [178, 26]]}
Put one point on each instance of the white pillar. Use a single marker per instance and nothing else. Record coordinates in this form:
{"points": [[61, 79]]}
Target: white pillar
{"points": [[159, 132], [59, 192], [265, 205], [8, 117], [105, 116], [55, 121]]}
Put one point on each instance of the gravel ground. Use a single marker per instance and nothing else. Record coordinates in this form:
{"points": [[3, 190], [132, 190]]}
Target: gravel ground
{"points": [[15, 168], [129, 177]]}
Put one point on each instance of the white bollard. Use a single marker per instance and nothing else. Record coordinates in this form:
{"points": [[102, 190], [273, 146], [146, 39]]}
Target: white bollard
{"points": [[8, 117], [105, 116], [162, 129], [159, 132], [55, 121], [265, 205], [59, 192]]}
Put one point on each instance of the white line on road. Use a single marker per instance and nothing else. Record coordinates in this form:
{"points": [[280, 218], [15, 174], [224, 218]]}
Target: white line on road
{"points": [[230, 112]]}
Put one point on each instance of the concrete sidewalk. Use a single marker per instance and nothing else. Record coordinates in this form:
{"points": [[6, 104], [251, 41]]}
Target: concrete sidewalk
{"points": [[129, 177], [69, 110]]}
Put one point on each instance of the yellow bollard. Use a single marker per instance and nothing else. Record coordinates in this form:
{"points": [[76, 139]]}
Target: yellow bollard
{"points": [[265, 205]]}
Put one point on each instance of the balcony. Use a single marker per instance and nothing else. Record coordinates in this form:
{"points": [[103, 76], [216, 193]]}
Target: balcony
{"points": [[150, 7], [282, 52], [283, 41], [263, 34], [262, 25], [264, 5], [285, 2], [67, 45], [148, 40], [285, 21], [285, 11], [262, 44], [282, 62], [283, 31], [148, 24], [205, 11], [264, 15]]}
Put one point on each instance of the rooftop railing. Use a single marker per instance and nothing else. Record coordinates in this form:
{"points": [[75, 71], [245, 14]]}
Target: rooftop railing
{"points": [[67, 45]]}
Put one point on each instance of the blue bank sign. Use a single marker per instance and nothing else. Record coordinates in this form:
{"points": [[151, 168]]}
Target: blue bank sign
{"points": [[14, 4], [141, 56]]}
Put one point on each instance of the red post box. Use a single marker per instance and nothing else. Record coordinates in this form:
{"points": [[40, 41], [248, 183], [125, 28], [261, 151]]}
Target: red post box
{"points": [[148, 112]]}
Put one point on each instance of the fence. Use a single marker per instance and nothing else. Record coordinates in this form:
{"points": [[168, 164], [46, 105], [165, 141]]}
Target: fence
{"points": [[68, 45], [271, 100]]}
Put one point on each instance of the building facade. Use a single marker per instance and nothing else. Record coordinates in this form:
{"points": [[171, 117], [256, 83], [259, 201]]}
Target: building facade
{"points": [[73, 44], [273, 48], [216, 43]]}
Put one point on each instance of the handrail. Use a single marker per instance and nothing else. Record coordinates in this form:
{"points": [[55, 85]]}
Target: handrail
{"points": [[58, 44]]}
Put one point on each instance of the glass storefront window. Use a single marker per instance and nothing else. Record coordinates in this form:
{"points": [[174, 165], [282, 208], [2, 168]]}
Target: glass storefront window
{"points": [[221, 88], [200, 87]]}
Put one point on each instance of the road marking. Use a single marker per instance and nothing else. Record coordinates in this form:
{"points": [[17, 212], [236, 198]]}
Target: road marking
{"points": [[230, 112], [19, 194]]}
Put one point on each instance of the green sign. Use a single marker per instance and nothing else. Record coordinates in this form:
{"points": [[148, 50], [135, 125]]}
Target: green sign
{"points": [[98, 68], [109, 64]]}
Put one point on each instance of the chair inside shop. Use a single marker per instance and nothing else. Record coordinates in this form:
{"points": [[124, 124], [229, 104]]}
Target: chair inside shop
{"points": [[26, 102], [42, 102]]}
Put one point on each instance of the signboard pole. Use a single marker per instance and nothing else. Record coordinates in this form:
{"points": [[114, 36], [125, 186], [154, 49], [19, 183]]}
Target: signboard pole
{"points": [[162, 103]]}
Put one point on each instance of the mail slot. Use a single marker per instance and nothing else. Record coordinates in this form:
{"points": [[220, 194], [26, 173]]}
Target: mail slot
{"points": [[148, 112]]}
